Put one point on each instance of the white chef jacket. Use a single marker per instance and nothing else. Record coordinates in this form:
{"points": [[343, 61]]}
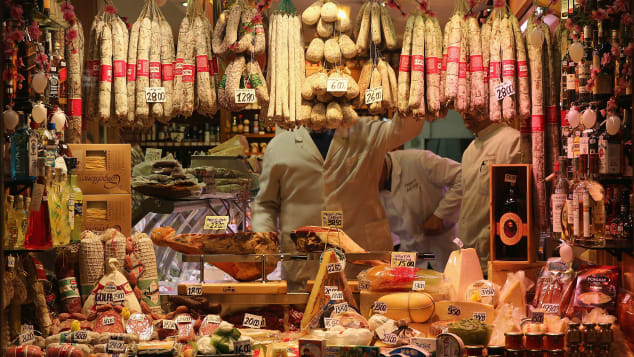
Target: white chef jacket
{"points": [[496, 144], [423, 184], [296, 183]]}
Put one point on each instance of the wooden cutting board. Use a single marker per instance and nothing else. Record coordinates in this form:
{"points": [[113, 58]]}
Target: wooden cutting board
{"points": [[249, 288], [353, 284]]}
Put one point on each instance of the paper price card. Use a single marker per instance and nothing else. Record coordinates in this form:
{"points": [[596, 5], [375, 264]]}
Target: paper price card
{"points": [[379, 307], [373, 95], [330, 322], [403, 259], [169, 325], [253, 321], [428, 344], [26, 334], [537, 317], [242, 347], [418, 285], [108, 320], [11, 261], [389, 338], [80, 336], [453, 310], [329, 289], [339, 308], [332, 219], [118, 296], [486, 291], [216, 223], [115, 346], [337, 85], [336, 295], [481, 316], [364, 285], [551, 308], [503, 90], [184, 319], [510, 178], [195, 290], [152, 154], [333, 268], [155, 94], [244, 96]]}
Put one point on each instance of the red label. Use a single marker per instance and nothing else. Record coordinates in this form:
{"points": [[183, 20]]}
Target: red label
{"points": [[486, 77], [537, 123], [95, 68], [188, 72], [155, 70], [418, 63], [454, 55], [75, 107], [131, 72], [476, 63], [63, 74], [202, 64], [432, 65], [142, 68], [552, 113], [443, 67], [564, 119], [119, 69], [106, 73], [259, 28], [494, 70], [522, 69], [405, 63], [178, 68], [168, 72], [525, 126], [508, 68], [213, 65], [462, 70]]}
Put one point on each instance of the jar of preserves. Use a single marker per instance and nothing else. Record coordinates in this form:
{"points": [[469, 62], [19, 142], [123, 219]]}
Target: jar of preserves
{"points": [[573, 335], [554, 341], [475, 350], [513, 340], [534, 341]]}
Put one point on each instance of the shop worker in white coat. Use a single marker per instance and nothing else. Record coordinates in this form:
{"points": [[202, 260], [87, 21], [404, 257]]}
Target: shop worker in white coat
{"points": [[421, 193], [306, 172]]}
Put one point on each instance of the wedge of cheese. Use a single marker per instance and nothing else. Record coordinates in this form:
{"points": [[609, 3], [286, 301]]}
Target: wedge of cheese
{"points": [[462, 269], [514, 296], [458, 310]]}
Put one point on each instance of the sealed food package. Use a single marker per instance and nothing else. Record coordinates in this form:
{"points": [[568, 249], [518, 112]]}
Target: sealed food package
{"points": [[596, 287], [471, 331], [484, 291], [113, 288], [554, 288], [387, 278]]}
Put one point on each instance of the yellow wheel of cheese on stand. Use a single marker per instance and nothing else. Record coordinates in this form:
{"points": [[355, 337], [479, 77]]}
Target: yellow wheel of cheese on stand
{"points": [[413, 306]]}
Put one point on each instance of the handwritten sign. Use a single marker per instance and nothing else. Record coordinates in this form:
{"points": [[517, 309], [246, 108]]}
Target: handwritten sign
{"points": [[403, 259], [216, 223]]}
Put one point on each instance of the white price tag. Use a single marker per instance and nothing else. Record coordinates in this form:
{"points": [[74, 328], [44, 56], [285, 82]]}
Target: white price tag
{"points": [[253, 321], [364, 285], [11, 261], [403, 259], [339, 308], [330, 322], [80, 336], [373, 95], [389, 338], [108, 320], [551, 308], [485, 292], [216, 223], [115, 346], [333, 268], [184, 319], [152, 154], [337, 85], [481, 316], [453, 310], [242, 347], [379, 307], [26, 328], [26, 337], [329, 289], [336, 295], [118, 296], [428, 344], [214, 319], [332, 219], [537, 316], [503, 90], [510, 178], [245, 95], [195, 290], [169, 325], [155, 94], [137, 317], [418, 285]]}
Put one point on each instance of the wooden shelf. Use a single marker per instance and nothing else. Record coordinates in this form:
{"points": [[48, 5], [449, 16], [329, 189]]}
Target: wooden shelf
{"points": [[256, 136]]}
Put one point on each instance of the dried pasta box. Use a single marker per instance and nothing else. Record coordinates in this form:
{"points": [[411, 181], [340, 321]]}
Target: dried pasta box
{"points": [[108, 211], [103, 168]]}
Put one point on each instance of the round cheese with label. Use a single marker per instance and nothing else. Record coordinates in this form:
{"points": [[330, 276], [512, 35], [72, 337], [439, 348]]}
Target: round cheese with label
{"points": [[413, 306]]}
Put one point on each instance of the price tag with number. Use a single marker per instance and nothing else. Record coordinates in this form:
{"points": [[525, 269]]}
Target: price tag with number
{"points": [[486, 291], [418, 285], [244, 96], [428, 344], [329, 289], [153, 154], [336, 295], [253, 321], [108, 320], [80, 336], [115, 346], [155, 94], [333, 268], [503, 90], [216, 223], [118, 297], [373, 95], [26, 334], [364, 285], [551, 308], [403, 259], [242, 347], [537, 317], [389, 338], [510, 178], [481, 316], [169, 325], [339, 308], [195, 290], [332, 219], [184, 319], [337, 84], [453, 310], [330, 322], [11, 261], [379, 307]]}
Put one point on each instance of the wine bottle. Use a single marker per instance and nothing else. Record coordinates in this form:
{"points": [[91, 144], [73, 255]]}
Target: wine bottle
{"points": [[511, 242]]}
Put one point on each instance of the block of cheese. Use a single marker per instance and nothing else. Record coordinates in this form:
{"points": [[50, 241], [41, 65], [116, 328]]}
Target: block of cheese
{"points": [[458, 310], [514, 295], [413, 306], [462, 269]]}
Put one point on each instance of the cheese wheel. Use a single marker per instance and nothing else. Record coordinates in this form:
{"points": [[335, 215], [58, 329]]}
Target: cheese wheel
{"points": [[415, 307]]}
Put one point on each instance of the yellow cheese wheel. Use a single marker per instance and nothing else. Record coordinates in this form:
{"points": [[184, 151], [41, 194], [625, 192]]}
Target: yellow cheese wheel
{"points": [[413, 306]]}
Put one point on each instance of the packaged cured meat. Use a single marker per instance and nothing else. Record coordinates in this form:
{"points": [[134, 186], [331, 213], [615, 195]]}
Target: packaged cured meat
{"points": [[24, 351], [113, 288], [140, 325], [67, 260], [185, 327], [596, 287], [166, 328], [387, 278], [554, 287], [109, 321], [209, 324]]}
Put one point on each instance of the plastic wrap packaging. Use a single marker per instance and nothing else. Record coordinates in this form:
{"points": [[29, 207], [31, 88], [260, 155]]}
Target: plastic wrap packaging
{"points": [[555, 287], [484, 291], [596, 287], [386, 278]]}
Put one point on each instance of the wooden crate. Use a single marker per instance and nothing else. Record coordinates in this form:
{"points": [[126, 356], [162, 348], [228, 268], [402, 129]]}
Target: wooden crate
{"points": [[497, 191], [498, 270]]}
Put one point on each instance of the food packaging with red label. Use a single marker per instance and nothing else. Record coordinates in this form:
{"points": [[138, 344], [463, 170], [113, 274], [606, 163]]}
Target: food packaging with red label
{"points": [[119, 67], [418, 63], [155, 70], [476, 63], [188, 72], [131, 72], [596, 287], [106, 73], [109, 321], [168, 72], [141, 325], [404, 65], [185, 327], [209, 324], [202, 64], [508, 68], [143, 68], [432, 65], [453, 54]]}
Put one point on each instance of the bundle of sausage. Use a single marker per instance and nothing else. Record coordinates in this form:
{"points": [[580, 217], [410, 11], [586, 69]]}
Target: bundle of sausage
{"points": [[239, 30], [326, 106], [373, 28], [333, 42], [374, 75], [194, 80], [75, 57]]}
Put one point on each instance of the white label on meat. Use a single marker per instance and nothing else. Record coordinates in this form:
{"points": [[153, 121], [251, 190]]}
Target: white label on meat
{"points": [[11, 261], [244, 96], [169, 325], [26, 337], [330, 322], [551, 308], [403, 259], [373, 95], [379, 307], [389, 338], [418, 285], [453, 310], [137, 317], [503, 90], [537, 316], [155, 94], [108, 320], [336, 295], [185, 318], [333, 268], [480, 316], [115, 346], [195, 290], [332, 219], [153, 154], [253, 321], [487, 291], [80, 336], [242, 347], [337, 85], [118, 297], [216, 223], [329, 289], [339, 308], [213, 319]]}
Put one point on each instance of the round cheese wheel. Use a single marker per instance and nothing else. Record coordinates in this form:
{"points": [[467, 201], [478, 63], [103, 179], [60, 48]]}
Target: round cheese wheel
{"points": [[413, 306]]}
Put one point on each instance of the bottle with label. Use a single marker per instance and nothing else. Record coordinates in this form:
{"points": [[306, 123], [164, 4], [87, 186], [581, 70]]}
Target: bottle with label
{"points": [[595, 201], [77, 197], [579, 193], [50, 144], [63, 75], [11, 224], [21, 218], [604, 84], [23, 153], [558, 199], [511, 242], [38, 235], [585, 67], [569, 208], [246, 125], [240, 127], [571, 80], [256, 124], [609, 212], [234, 125], [58, 209]]}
